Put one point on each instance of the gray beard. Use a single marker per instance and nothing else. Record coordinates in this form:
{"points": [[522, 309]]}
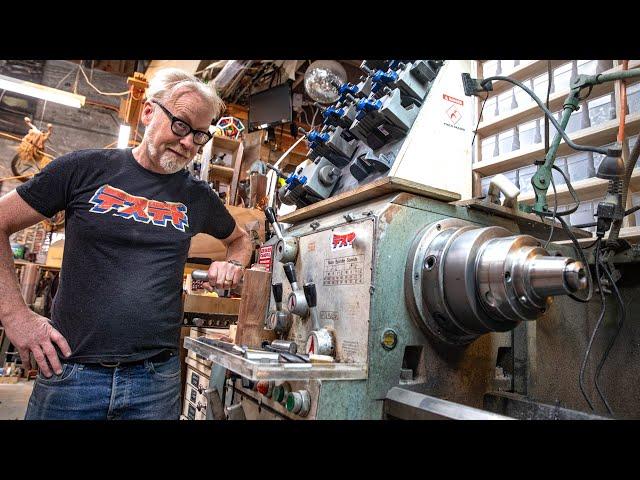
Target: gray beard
{"points": [[168, 162]]}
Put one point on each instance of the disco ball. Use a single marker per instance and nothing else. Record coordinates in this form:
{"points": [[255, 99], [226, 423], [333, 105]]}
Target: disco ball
{"points": [[319, 77]]}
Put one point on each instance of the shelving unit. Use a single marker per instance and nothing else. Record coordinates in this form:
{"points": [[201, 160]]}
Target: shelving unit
{"points": [[600, 134], [228, 174]]}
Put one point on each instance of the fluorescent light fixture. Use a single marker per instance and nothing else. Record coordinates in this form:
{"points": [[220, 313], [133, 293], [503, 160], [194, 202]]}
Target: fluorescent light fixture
{"points": [[123, 136], [40, 91], [263, 126]]}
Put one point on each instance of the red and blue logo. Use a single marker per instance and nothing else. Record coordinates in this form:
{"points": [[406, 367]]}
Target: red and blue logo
{"points": [[140, 209]]}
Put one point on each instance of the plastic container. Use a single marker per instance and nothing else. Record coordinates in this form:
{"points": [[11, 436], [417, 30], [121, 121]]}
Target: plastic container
{"points": [[505, 102], [580, 165], [511, 175], [540, 86], [584, 214], [587, 67], [633, 98], [601, 110], [562, 77], [487, 147], [635, 199], [528, 133], [489, 110], [485, 181], [505, 141]]}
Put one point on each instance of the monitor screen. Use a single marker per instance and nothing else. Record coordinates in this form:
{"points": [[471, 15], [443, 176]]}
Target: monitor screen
{"points": [[270, 107]]}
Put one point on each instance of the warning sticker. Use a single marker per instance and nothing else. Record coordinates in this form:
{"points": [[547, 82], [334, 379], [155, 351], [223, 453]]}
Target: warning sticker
{"points": [[452, 111], [265, 256]]}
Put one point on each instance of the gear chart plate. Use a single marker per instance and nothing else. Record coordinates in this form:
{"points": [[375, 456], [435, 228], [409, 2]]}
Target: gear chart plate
{"points": [[346, 270]]}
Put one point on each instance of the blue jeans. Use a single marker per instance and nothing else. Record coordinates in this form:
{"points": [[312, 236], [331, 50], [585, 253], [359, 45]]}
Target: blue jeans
{"points": [[149, 391]]}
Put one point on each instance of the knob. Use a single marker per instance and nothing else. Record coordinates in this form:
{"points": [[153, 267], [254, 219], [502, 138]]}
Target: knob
{"points": [[200, 275], [310, 294], [299, 402], [277, 292], [320, 342], [281, 392], [265, 387], [289, 271]]}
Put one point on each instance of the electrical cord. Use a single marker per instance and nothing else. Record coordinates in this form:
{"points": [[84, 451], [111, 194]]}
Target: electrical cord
{"points": [[119, 94], [593, 334], [622, 313], [475, 131], [583, 259], [555, 211], [583, 148]]}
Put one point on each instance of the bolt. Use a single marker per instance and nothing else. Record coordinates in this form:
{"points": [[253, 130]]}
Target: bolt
{"points": [[543, 181]]}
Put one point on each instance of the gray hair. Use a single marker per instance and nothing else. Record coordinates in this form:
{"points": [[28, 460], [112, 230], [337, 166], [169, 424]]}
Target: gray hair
{"points": [[167, 81]]}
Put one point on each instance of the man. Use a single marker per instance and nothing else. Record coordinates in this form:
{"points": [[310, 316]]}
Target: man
{"points": [[111, 349]]}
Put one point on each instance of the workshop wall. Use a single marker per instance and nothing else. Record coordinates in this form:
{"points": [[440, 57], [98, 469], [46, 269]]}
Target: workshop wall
{"points": [[92, 126]]}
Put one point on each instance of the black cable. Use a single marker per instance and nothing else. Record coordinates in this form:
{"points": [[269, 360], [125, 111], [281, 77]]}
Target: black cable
{"points": [[546, 150], [555, 211], [583, 258], [593, 334], [591, 244], [546, 120], [622, 313], [585, 225], [552, 119], [572, 191], [479, 117]]}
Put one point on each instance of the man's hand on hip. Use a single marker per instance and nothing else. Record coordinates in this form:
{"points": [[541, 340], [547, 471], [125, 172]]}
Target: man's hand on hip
{"points": [[224, 275], [30, 332]]}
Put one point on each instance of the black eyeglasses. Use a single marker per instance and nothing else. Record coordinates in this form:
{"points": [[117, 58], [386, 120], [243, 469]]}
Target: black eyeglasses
{"points": [[182, 128]]}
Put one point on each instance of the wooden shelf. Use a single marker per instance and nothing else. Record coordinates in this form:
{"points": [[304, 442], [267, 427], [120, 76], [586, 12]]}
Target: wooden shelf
{"points": [[220, 172], [524, 72], [533, 111], [630, 234], [599, 135], [226, 143], [586, 189]]}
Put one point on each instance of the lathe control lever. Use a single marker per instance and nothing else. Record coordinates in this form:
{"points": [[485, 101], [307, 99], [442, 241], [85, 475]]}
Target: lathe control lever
{"points": [[310, 294], [277, 294], [320, 340], [271, 217], [296, 303], [287, 247]]}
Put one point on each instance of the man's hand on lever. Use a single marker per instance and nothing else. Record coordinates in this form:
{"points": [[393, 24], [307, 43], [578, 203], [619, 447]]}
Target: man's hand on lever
{"points": [[227, 275], [224, 275]]}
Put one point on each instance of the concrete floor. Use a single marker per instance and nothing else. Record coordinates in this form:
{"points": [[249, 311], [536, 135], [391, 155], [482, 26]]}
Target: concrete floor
{"points": [[14, 398]]}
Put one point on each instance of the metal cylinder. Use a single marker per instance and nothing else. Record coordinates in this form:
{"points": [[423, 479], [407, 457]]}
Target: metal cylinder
{"points": [[285, 345], [462, 281], [551, 276]]}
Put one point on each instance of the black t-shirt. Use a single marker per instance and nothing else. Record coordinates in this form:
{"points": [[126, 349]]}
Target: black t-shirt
{"points": [[127, 236]]}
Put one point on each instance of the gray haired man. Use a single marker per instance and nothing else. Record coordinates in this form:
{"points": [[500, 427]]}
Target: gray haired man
{"points": [[110, 350]]}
